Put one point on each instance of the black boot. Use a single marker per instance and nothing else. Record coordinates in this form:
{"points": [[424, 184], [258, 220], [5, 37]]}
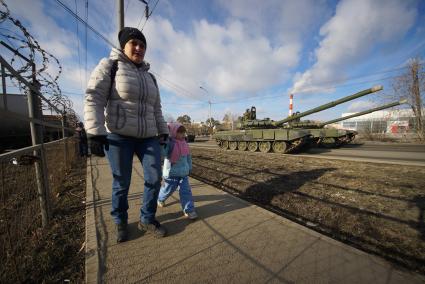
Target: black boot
{"points": [[155, 228], [122, 233]]}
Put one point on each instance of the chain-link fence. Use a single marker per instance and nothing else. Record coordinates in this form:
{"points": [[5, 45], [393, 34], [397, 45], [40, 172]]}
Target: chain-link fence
{"points": [[20, 202]]}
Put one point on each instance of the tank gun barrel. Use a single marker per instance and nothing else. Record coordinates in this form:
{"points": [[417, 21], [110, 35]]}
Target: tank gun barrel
{"points": [[331, 104], [403, 101]]}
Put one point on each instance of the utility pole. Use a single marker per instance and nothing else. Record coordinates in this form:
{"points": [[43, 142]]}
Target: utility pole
{"points": [[209, 102], [209, 113], [417, 98], [120, 14]]}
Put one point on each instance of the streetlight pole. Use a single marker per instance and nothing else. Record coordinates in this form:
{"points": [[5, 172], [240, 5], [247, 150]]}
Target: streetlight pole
{"points": [[209, 102]]}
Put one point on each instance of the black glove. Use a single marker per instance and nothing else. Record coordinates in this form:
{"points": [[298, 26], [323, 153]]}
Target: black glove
{"points": [[163, 139], [98, 144]]}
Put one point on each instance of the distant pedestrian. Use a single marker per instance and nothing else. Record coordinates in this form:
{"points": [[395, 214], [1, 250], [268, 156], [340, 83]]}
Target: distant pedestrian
{"points": [[122, 85], [82, 139], [177, 167]]}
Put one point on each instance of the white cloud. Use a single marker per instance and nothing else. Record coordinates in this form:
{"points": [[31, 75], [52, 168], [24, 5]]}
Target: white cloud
{"points": [[357, 27], [283, 21], [254, 49], [224, 58], [73, 78]]}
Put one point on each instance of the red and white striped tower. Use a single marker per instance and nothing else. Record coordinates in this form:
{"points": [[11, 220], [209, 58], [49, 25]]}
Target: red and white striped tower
{"points": [[291, 97]]}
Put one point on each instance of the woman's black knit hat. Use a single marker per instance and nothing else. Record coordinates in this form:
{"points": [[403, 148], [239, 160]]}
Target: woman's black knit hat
{"points": [[128, 33]]}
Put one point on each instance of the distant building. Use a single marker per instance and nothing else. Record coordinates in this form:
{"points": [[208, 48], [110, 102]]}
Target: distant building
{"points": [[383, 121], [16, 133]]}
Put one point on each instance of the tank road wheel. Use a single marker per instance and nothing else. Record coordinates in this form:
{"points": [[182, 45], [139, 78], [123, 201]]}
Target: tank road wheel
{"points": [[265, 146], [340, 141], [233, 145], [224, 145], [348, 138], [242, 145], [351, 137], [252, 146], [328, 142], [218, 141], [279, 146]]}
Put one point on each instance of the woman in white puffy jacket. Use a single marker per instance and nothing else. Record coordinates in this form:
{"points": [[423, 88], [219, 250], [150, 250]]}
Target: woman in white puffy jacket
{"points": [[123, 117]]}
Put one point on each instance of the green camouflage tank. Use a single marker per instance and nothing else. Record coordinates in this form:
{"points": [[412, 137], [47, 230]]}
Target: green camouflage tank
{"points": [[287, 135]]}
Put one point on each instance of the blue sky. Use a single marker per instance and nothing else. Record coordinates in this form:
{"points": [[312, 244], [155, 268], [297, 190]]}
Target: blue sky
{"points": [[242, 52]]}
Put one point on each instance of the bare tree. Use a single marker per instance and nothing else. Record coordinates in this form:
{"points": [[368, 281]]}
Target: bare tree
{"points": [[411, 85], [184, 119], [230, 120]]}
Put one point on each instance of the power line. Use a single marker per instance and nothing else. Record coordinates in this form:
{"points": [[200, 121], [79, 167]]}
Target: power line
{"points": [[111, 44], [86, 41], [84, 22], [333, 82], [174, 85], [162, 103], [307, 90], [349, 84], [126, 7], [78, 44], [330, 85], [180, 88], [182, 104], [150, 14], [147, 14], [141, 14]]}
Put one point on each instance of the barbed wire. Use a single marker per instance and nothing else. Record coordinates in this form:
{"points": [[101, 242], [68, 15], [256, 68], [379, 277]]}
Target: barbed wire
{"points": [[24, 43]]}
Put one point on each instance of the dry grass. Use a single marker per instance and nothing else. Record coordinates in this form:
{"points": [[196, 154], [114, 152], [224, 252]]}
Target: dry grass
{"points": [[375, 207], [28, 252]]}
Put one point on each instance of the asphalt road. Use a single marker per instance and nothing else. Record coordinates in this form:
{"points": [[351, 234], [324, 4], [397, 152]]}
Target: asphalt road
{"points": [[391, 153]]}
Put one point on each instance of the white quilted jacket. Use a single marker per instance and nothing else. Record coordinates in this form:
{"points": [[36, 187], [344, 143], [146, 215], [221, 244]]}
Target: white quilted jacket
{"points": [[132, 107]]}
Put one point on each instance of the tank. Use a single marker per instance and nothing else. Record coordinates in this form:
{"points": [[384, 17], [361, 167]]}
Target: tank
{"points": [[280, 136]]}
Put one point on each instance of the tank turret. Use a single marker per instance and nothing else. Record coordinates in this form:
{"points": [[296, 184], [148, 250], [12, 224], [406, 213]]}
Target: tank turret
{"points": [[262, 134]]}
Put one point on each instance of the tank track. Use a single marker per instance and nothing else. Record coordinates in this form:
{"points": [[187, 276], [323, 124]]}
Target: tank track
{"points": [[292, 147], [295, 146]]}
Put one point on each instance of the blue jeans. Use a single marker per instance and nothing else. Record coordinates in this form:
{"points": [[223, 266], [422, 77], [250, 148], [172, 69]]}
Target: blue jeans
{"points": [[186, 198], [120, 155], [83, 147]]}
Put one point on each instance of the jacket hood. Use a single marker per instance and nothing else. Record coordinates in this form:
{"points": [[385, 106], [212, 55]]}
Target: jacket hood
{"points": [[118, 54], [173, 127]]}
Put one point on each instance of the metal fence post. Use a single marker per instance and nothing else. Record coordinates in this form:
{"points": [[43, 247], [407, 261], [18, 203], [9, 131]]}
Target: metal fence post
{"points": [[34, 109], [3, 81], [64, 135]]}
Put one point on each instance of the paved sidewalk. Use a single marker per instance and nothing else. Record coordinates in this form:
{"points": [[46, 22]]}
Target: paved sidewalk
{"points": [[232, 242]]}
